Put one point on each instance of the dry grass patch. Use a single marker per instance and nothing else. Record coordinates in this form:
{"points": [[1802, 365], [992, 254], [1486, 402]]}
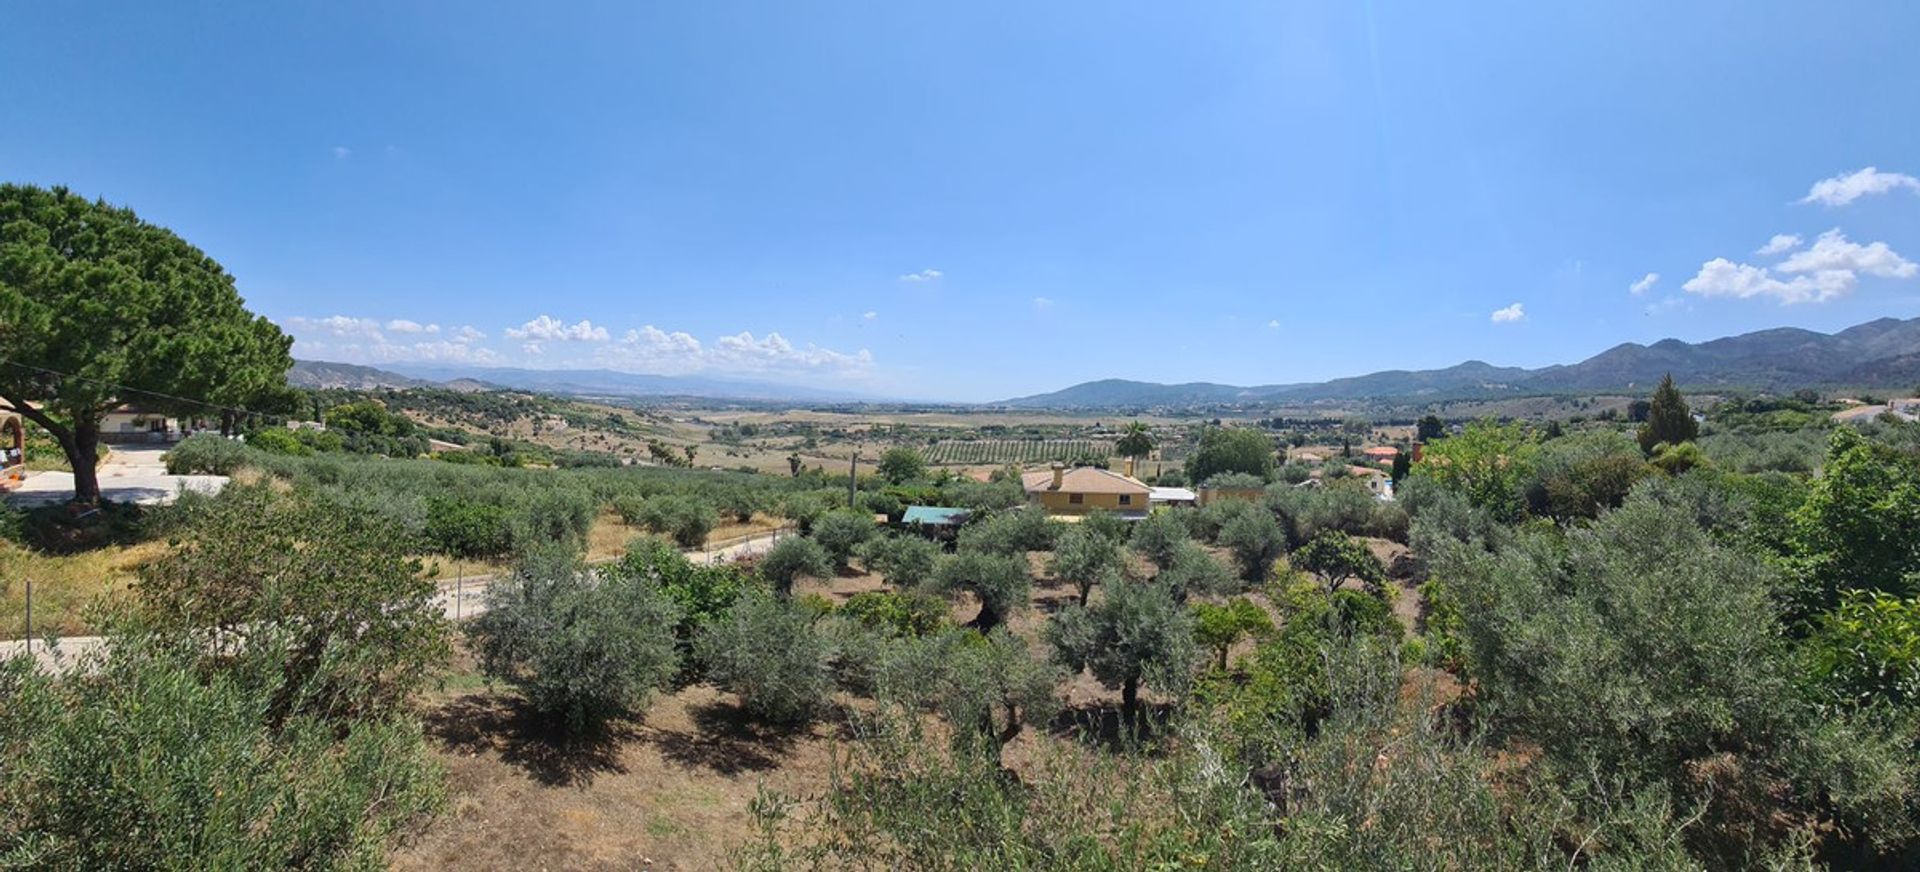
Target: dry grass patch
{"points": [[64, 586]]}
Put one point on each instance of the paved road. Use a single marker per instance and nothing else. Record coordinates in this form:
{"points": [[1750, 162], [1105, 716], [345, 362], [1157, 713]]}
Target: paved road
{"points": [[131, 474], [458, 600]]}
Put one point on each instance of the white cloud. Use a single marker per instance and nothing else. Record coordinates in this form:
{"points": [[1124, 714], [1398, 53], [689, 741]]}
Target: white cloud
{"points": [[1043, 303], [1510, 314], [1274, 324], [341, 152], [468, 334], [1832, 251], [402, 325], [547, 328], [1781, 243], [1645, 284], [925, 275], [339, 326], [870, 316], [1843, 189], [1724, 278]]}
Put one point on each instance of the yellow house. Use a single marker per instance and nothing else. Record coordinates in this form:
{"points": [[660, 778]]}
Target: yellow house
{"points": [[1063, 491]]}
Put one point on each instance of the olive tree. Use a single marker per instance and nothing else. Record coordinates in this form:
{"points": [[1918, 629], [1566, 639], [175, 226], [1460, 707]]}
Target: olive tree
{"points": [[999, 581], [767, 652], [791, 558], [581, 649], [988, 687], [100, 308], [1085, 557], [1135, 635]]}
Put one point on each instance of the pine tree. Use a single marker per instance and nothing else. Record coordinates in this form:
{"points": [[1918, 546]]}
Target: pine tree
{"points": [[1668, 418]]}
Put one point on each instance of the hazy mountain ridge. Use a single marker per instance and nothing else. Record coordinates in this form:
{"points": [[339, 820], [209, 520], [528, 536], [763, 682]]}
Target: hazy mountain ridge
{"points": [[1879, 353], [321, 374]]}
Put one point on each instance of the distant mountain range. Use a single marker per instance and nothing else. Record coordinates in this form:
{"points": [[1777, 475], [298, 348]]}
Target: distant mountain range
{"points": [[572, 382], [1878, 354]]}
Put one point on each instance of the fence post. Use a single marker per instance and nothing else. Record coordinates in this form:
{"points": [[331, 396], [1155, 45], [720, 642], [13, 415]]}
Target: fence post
{"points": [[459, 585], [29, 616]]}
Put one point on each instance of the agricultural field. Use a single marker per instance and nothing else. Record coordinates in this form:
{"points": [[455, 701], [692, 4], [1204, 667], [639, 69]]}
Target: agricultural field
{"points": [[1000, 452]]}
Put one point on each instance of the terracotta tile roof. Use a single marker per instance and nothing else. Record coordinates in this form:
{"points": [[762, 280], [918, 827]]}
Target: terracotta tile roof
{"points": [[1083, 480]]}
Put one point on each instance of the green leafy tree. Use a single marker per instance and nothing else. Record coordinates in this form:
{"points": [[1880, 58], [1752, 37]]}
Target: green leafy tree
{"points": [[1336, 557], [1231, 449], [1488, 463], [902, 464], [1859, 528], [1135, 635], [999, 581], [1402, 466], [1668, 418], [1085, 557], [1430, 428], [1219, 628], [1867, 651], [1136, 441], [581, 649], [99, 308], [790, 559], [842, 532]]}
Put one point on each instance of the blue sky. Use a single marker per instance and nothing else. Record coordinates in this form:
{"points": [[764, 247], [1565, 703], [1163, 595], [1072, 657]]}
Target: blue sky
{"points": [[972, 201]]}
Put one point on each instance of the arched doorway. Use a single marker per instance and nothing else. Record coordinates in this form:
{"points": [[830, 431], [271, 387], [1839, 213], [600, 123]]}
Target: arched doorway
{"points": [[13, 451]]}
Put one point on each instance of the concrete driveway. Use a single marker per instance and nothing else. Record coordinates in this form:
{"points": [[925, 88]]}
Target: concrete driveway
{"points": [[131, 474]]}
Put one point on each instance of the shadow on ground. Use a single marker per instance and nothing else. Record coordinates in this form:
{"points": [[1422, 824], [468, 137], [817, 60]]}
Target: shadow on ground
{"points": [[502, 724], [722, 739], [1106, 726]]}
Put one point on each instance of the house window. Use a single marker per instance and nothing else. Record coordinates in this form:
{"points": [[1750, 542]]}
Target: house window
{"points": [[1076, 499], [1126, 499]]}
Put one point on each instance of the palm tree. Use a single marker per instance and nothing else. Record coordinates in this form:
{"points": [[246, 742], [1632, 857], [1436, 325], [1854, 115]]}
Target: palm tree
{"points": [[1135, 442]]}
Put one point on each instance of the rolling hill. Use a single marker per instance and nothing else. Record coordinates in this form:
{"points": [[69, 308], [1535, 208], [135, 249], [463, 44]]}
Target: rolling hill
{"points": [[1881, 353]]}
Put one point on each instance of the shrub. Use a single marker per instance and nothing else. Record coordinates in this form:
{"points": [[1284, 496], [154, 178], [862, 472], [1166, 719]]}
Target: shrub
{"points": [[581, 650], [904, 561], [791, 558], [274, 440], [999, 581], [205, 454], [155, 762], [553, 518], [840, 532], [901, 614], [362, 628], [766, 651]]}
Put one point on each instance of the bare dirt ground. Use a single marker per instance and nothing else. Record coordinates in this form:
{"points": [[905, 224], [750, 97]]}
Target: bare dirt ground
{"points": [[673, 788]]}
